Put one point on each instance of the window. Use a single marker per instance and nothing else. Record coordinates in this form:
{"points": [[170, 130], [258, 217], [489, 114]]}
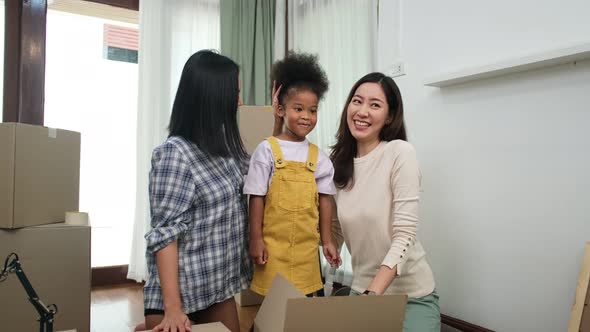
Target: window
{"points": [[87, 92]]}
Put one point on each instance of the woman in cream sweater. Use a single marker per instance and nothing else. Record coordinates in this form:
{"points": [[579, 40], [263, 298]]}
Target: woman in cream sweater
{"points": [[378, 181]]}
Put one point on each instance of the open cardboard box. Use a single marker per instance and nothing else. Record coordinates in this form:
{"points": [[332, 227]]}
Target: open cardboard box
{"points": [[287, 309], [248, 298], [211, 327]]}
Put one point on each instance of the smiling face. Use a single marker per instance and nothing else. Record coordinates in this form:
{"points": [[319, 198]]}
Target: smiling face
{"points": [[299, 113], [367, 113]]}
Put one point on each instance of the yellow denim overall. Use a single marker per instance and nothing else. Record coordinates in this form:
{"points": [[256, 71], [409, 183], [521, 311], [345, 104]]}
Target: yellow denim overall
{"points": [[290, 225]]}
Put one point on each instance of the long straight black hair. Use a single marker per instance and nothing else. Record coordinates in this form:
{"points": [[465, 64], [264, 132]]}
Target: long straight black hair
{"points": [[345, 149], [206, 105]]}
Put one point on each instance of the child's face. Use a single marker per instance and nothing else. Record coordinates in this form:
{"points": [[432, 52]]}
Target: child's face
{"points": [[300, 114], [367, 112]]}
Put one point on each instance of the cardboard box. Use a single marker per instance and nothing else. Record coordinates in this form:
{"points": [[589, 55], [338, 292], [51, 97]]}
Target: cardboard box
{"points": [[211, 327], [248, 298], [256, 124], [39, 174], [286, 309], [56, 260]]}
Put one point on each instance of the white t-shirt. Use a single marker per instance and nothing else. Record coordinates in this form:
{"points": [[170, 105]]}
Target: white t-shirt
{"points": [[262, 167]]}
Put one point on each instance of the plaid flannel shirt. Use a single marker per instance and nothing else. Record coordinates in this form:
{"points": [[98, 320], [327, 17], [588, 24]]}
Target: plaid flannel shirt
{"points": [[197, 200]]}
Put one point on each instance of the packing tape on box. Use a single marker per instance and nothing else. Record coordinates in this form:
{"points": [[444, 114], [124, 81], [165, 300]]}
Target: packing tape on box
{"points": [[77, 218]]}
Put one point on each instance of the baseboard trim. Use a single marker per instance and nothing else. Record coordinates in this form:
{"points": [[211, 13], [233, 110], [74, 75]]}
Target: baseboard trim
{"points": [[462, 325], [110, 275]]}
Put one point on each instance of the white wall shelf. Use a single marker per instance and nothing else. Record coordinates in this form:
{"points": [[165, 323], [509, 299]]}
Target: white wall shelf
{"points": [[536, 61]]}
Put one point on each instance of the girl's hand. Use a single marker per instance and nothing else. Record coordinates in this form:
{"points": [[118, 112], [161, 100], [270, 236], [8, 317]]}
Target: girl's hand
{"points": [[332, 255], [278, 126], [258, 251], [174, 321]]}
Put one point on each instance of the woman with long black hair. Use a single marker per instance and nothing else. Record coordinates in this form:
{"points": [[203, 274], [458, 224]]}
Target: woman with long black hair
{"points": [[197, 249]]}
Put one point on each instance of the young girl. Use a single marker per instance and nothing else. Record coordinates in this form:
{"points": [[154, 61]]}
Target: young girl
{"points": [[197, 252], [290, 185]]}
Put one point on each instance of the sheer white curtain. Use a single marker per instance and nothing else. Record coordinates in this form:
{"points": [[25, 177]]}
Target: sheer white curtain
{"points": [[342, 33], [170, 31], [280, 29]]}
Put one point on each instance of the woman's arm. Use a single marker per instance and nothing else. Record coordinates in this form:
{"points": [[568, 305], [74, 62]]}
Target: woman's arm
{"points": [[383, 279], [174, 317], [278, 125], [172, 190], [405, 184], [167, 261]]}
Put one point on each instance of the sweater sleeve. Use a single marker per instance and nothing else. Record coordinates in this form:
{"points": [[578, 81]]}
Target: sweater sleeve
{"points": [[405, 186]]}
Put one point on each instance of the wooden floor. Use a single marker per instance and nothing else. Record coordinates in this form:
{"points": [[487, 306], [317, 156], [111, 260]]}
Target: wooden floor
{"points": [[120, 308]]}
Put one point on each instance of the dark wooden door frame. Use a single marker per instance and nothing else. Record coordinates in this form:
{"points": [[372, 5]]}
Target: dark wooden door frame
{"points": [[127, 4], [24, 61]]}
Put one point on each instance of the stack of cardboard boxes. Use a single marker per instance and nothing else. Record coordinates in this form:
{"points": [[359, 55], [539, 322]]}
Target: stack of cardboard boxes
{"points": [[39, 183]]}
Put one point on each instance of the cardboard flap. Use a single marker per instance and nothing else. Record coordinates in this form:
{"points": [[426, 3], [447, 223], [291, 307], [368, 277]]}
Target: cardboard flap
{"points": [[256, 124], [211, 327], [344, 313], [271, 315]]}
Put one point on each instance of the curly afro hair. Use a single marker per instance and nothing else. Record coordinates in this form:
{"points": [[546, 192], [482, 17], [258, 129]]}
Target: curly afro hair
{"points": [[299, 71]]}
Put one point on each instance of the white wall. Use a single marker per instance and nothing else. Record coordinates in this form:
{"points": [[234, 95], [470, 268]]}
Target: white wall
{"points": [[506, 161]]}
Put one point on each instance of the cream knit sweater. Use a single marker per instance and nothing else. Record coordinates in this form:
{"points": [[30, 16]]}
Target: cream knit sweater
{"points": [[378, 220]]}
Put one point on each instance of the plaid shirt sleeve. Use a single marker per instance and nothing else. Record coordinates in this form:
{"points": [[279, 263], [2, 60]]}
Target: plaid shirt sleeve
{"points": [[172, 191]]}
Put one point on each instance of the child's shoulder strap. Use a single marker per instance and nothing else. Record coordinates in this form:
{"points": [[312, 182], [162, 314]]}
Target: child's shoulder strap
{"points": [[277, 153], [312, 157]]}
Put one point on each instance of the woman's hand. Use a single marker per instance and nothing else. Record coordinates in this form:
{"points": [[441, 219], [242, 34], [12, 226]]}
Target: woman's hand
{"points": [[258, 251], [174, 321], [278, 126], [331, 254]]}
